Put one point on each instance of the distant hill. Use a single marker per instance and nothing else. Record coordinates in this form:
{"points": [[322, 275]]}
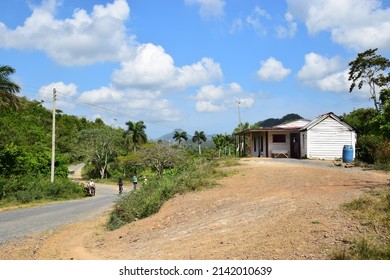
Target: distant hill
{"points": [[169, 136], [272, 121]]}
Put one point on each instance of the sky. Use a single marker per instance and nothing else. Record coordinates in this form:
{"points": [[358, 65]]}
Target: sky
{"points": [[197, 65]]}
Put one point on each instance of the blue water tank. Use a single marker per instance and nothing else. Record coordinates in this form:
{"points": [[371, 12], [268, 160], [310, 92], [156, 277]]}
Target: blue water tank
{"points": [[347, 153]]}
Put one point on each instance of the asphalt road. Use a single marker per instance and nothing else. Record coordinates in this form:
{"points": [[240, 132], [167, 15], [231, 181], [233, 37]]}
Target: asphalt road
{"points": [[19, 223]]}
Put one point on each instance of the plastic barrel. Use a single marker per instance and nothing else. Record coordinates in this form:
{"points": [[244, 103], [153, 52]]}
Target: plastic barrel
{"points": [[347, 153]]}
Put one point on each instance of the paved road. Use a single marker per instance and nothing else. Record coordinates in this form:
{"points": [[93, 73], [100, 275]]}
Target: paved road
{"points": [[22, 222]]}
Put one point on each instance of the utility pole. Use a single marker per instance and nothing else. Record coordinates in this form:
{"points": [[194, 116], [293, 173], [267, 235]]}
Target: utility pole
{"points": [[53, 137], [239, 113]]}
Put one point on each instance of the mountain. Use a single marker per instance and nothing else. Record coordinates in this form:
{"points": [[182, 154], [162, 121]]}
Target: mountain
{"points": [[272, 121], [169, 136]]}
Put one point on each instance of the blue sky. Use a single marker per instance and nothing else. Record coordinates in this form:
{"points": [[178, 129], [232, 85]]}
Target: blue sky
{"points": [[191, 64]]}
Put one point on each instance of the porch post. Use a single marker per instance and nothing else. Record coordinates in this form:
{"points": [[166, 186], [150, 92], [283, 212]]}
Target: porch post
{"points": [[250, 144]]}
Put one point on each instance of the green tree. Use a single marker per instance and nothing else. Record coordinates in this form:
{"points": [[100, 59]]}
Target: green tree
{"points": [[101, 146], [160, 157], [370, 68], [222, 141], [199, 137], [8, 89], [179, 136], [136, 132], [241, 127], [361, 119]]}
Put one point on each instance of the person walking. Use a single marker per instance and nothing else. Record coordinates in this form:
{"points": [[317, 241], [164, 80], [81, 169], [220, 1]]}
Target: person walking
{"points": [[135, 182], [120, 184]]}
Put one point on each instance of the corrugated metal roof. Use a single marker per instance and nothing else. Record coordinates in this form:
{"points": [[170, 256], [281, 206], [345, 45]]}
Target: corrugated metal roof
{"points": [[293, 124]]}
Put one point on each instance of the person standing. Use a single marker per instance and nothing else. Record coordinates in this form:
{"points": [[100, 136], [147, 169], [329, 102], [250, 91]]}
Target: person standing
{"points": [[135, 182], [120, 184]]}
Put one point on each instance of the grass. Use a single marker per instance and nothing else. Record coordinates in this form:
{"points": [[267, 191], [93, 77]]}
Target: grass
{"points": [[194, 176], [373, 212], [17, 192]]}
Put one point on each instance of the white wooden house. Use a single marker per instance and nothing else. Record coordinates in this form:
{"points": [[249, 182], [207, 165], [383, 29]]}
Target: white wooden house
{"points": [[325, 137], [322, 138]]}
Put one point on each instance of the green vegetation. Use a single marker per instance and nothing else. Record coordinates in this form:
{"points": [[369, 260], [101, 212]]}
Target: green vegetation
{"points": [[192, 175], [373, 124], [373, 212], [27, 189]]}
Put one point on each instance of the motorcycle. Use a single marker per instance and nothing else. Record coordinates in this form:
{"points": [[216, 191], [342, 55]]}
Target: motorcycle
{"points": [[90, 189]]}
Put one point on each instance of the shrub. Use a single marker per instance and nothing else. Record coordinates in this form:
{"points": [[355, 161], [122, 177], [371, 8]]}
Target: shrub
{"points": [[367, 145], [195, 175], [25, 189], [382, 155]]}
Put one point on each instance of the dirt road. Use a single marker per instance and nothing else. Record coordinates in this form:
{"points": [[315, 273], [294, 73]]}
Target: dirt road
{"points": [[266, 210]]}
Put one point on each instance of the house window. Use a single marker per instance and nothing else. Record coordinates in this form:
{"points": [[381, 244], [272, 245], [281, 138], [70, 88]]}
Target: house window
{"points": [[279, 138]]}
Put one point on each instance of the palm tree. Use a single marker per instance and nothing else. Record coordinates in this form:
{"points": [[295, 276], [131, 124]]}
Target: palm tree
{"points": [[8, 89], [136, 130], [198, 138], [180, 136]]}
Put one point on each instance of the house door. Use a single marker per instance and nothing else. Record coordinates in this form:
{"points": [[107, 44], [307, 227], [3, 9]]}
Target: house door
{"points": [[295, 145]]}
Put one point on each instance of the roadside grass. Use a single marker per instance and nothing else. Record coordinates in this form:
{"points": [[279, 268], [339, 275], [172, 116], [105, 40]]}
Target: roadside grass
{"points": [[373, 212], [18, 192], [198, 174]]}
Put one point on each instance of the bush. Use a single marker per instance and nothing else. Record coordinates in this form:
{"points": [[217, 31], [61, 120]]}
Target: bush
{"points": [[27, 189], [147, 200], [374, 150], [382, 155], [367, 145]]}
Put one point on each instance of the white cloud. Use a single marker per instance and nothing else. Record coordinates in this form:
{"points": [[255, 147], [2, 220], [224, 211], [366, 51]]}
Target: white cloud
{"points": [[136, 103], [263, 13], [152, 67], [212, 98], [326, 74], [83, 39], [272, 70], [200, 73], [290, 30], [356, 24], [209, 8], [317, 66], [64, 94], [102, 95]]}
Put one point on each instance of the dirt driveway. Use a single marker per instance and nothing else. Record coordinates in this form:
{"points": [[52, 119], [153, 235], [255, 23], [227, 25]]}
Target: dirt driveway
{"points": [[266, 210]]}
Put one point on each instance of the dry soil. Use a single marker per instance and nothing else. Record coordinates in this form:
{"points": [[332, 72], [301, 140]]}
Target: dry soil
{"points": [[266, 210]]}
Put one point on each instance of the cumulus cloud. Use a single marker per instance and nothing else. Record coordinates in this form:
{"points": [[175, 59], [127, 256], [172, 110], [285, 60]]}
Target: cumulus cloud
{"points": [[317, 66], [64, 94], [148, 104], [355, 24], [326, 74], [209, 8], [212, 98], [146, 72], [152, 67], [272, 70], [79, 40]]}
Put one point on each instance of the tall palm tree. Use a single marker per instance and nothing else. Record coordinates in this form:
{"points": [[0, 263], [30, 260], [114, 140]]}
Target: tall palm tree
{"points": [[180, 136], [136, 130], [8, 89], [198, 138]]}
